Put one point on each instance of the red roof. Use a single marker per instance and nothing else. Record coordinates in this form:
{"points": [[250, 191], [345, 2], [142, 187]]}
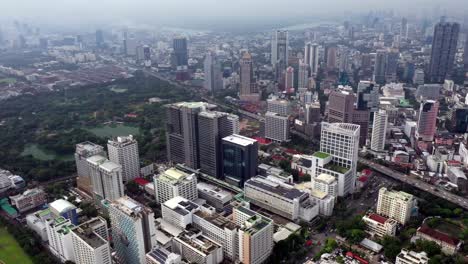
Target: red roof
{"points": [[363, 178], [378, 218], [292, 151], [262, 141], [141, 181], [438, 235], [356, 257], [366, 172]]}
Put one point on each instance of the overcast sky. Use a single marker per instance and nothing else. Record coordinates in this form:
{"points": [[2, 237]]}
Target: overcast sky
{"points": [[92, 12]]}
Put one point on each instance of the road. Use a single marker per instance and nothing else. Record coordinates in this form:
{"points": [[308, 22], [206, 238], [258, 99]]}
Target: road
{"points": [[453, 198]]}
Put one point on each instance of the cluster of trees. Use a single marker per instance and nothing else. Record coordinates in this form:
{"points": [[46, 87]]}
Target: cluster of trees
{"points": [[352, 230], [56, 121], [30, 243], [292, 249], [329, 247]]}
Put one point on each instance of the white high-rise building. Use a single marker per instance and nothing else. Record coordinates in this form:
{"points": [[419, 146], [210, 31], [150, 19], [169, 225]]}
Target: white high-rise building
{"points": [[133, 230], [311, 57], [276, 127], [338, 155], [124, 151], [379, 130], [106, 178], [396, 205], [174, 182], [279, 106], [213, 75], [59, 237], [90, 242], [83, 151]]}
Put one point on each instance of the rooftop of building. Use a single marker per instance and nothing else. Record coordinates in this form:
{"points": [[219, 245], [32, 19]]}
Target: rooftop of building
{"points": [[128, 206], [255, 224], [161, 255], [174, 176], [61, 206], [336, 168], [318, 194], [284, 190], [26, 193], [191, 104], [398, 194], [218, 220], [378, 218], [321, 155], [214, 191], [240, 140], [199, 241], [110, 166], [181, 205], [122, 141], [437, 235], [325, 178], [341, 127], [88, 146], [86, 233], [96, 159], [413, 255]]}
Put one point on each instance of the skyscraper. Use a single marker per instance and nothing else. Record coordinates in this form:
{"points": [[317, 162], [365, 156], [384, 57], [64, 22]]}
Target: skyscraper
{"points": [[279, 50], [289, 80], [133, 230], [340, 107], [84, 151], [338, 155], [180, 55], [106, 178], [175, 182], [311, 56], [465, 54], [213, 75], [379, 130], [303, 75], [404, 28], [124, 151], [331, 56], [391, 65], [380, 66], [99, 38], [90, 242], [444, 47], [427, 120], [239, 159], [182, 132], [277, 120], [248, 86], [213, 126], [368, 96]]}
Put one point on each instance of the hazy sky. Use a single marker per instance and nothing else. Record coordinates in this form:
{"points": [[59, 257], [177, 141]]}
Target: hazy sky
{"points": [[91, 12]]}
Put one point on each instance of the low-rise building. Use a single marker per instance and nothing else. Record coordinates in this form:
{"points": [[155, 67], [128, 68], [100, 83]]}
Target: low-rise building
{"points": [[280, 198], [29, 199], [326, 202], [326, 183], [379, 226], [178, 211], [162, 256], [213, 195], [411, 257], [449, 245]]}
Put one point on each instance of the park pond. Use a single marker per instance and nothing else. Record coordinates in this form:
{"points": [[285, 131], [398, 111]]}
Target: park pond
{"points": [[40, 153], [114, 130]]}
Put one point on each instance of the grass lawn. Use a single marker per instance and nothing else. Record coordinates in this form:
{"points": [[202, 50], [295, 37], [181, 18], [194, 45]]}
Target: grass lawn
{"points": [[8, 80], [10, 250]]}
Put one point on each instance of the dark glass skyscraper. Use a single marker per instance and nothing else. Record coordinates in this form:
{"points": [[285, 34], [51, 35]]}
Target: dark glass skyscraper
{"points": [[239, 159], [444, 47], [180, 55]]}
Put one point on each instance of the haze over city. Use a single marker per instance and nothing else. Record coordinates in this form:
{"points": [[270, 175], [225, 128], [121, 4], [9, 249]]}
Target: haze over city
{"points": [[243, 132]]}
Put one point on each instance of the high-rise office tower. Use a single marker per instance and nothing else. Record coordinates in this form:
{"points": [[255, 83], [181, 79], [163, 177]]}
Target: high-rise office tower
{"points": [[106, 178], [279, 50], [404, 28], [90, 242], [175, 182], [312, 113], [133, 230], [444, 47], [180, 55], [457, 119], [213, 75], [396, 205], [338, 156], [380, 66], [99, 38], [213, 126], [303, 75], [239, 156], [391, 66], [130, 46], [427, 120], [465, 54], [289, 80], [277, 120], [124, 151], [340, 107], [279, 106], [331, 56], [311, 56], [343, 64], [379, 130], [182, 132], [147, 55], [361, 117], [248, 86]]}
